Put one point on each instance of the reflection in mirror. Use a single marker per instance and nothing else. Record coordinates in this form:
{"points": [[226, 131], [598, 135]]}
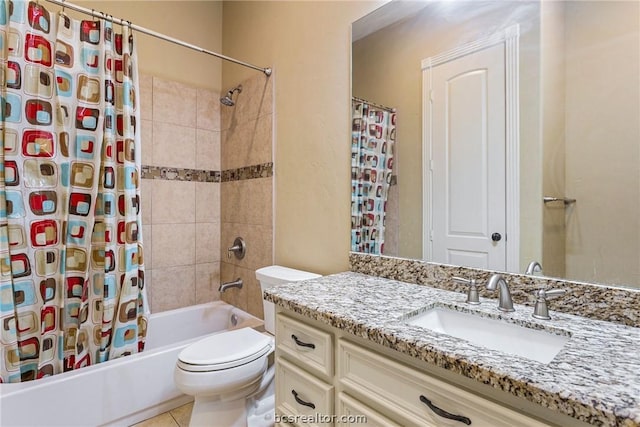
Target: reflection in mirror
{"points": [[577, 135], [372, 147]]}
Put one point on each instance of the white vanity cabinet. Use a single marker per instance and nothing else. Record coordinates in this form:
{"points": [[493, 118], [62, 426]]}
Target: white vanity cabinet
{"points": [[304, 372], [414, 397], [324, 377]]}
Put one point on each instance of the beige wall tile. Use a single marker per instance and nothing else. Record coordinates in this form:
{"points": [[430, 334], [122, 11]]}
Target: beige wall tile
{"points": [[207, 201], [147, 239], [146, 197], [207, 242], [173, 245], [208, 109], [260, 210], [254, 296], [207, 149], [174, 103], [230, 202], [228, 233], [145, 82], [146, 142], [247, 143], [256, 99], [207, 282], [234, 296], [227, 115], [174, 145], [249, 298], [173, 287], [258, 239], [173, 201]]}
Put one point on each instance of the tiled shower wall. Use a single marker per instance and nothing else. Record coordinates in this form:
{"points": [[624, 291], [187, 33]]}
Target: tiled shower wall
{"points": [[246, 199], [207, 178], [181, 215]]}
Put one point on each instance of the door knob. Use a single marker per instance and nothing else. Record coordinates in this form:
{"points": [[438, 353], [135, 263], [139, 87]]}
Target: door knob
{"points": [[496, 237]]}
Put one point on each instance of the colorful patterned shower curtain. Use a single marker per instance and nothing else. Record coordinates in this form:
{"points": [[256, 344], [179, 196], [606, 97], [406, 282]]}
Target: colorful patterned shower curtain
{"points": [[372, 145], [71, 265]]}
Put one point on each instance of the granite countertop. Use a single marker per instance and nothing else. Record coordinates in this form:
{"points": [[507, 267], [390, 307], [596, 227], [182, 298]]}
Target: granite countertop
{"points": [[595, 378]]}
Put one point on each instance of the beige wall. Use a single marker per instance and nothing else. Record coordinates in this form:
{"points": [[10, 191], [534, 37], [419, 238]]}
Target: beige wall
{"points": [[553, 136], [195, 22], [308, 46], [603, 160], [393, 56]]}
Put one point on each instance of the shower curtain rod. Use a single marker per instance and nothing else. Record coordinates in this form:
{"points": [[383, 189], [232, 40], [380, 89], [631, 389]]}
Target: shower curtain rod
{"points": [[98, 14], [390, 109]]}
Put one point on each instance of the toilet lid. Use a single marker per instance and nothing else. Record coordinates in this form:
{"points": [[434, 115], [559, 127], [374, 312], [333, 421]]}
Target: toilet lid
{"points": [[225, 350]]}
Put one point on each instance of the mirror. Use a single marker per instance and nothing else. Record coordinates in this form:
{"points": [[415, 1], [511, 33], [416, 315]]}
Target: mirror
{"points": [[579, 124]]}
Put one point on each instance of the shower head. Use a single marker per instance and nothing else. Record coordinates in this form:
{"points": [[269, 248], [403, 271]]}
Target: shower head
{"points": [[228, 98]]}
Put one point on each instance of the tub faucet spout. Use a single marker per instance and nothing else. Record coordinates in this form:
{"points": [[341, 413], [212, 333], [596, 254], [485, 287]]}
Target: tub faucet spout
{"points": [[234, 284]]}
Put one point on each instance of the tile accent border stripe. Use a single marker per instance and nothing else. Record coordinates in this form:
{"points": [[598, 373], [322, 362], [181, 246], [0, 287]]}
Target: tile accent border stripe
{"points": [[264, 170], [179, 174], [601, 302]]}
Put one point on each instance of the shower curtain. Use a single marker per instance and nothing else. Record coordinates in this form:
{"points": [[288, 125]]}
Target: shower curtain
{"points": [[372, 145], [71, 261]]}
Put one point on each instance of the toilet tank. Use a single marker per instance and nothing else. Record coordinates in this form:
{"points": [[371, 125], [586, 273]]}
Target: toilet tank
{"points": [[274, 275]]}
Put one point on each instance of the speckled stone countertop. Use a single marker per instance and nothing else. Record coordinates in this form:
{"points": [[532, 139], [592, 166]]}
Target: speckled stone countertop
{"points": [[595, 378]]}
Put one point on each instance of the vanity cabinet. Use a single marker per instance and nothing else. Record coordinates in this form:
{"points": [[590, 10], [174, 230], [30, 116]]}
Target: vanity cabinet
{"points": [[414, 397], [324, 377], [304, 372]]}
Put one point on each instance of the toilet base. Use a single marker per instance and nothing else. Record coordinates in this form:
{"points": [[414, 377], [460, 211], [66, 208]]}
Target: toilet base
{"points": [[254, 406], [211, 412]]}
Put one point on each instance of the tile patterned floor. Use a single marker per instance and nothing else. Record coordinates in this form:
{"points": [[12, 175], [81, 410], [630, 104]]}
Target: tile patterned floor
{"points": [[178, 417]]}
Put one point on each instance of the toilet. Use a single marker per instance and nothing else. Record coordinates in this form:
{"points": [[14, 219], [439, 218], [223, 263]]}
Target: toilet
{"points": [[228, 373]]}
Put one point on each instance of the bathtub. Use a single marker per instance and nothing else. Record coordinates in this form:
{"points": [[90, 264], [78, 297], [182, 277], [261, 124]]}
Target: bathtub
{"points": [[123, 391]]}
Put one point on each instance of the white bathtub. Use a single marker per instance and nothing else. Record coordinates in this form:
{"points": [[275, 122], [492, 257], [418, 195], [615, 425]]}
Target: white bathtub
{"points": [[123, 391]]}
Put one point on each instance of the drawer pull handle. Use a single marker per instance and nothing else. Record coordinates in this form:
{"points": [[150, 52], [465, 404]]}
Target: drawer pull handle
{"points": [[301, 343], [443, 413], [302, 402]]}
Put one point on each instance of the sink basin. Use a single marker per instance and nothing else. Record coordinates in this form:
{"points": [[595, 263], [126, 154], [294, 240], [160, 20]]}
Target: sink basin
{"points": [[539, 345]]}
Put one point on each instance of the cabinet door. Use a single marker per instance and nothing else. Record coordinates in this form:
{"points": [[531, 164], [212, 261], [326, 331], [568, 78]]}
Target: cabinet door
{"points": [[354, 413], [309, 347], [301, 397], [412, 397]]}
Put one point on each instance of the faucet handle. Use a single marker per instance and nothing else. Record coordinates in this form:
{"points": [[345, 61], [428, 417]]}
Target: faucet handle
{"points": [[239, 248], [541, 309], [472, 295], [549, 293]]}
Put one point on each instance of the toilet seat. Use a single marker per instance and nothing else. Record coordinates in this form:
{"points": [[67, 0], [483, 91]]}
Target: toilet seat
{"points": [[225, 351]]}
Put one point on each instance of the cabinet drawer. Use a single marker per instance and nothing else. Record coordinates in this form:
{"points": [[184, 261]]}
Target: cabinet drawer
{"points": [[354, 413], [303, 396], [402, 392], [311, 348]]}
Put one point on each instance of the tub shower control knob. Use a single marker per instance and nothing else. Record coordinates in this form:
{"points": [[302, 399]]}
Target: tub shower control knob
{"points": [[239, 248]]}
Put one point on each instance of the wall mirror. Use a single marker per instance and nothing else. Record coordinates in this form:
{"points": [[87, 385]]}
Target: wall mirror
{"points": [[575, 177]]}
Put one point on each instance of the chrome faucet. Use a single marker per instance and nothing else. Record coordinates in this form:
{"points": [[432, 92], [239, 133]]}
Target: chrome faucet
{"points": [[234, 284], [533, 268], [505, 303]]}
